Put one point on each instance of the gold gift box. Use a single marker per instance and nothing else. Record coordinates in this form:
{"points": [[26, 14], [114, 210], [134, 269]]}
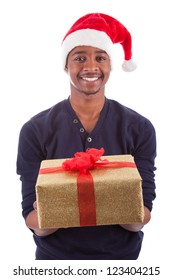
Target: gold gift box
{"points": [[118, 195]]}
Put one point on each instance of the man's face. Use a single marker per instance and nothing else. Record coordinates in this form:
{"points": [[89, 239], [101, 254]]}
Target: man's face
{"points": [[89, 69]]}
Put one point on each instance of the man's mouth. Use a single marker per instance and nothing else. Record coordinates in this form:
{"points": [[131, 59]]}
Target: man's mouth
{"points": [[89, 79]]}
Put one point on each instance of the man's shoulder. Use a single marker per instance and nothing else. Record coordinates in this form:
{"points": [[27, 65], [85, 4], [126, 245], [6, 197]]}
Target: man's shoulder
{"points": [[45, 118], [128, 115], [124, 110], [48, 113]]}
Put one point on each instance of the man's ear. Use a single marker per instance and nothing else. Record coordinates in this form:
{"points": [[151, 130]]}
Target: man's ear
{"points": [[66, 68]]}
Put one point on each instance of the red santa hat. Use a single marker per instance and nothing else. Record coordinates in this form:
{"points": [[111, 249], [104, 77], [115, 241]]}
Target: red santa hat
{"points": [[100, 31]]}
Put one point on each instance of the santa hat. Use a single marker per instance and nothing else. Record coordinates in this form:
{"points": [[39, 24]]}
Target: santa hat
{"points": [[100, 31]]}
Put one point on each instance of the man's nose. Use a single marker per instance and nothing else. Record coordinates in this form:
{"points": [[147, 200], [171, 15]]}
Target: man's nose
{"points": [[91, 65]]}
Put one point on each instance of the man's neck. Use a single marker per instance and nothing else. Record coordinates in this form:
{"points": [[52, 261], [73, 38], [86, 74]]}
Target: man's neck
{"points": [[88, 107], [88, 110]]}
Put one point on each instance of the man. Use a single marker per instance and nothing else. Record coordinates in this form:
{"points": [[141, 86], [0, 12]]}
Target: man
{"points": [[87, 119]]}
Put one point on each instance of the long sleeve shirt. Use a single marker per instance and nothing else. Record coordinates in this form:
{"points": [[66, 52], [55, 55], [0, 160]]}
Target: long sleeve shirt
{"points": [[58, 133]]}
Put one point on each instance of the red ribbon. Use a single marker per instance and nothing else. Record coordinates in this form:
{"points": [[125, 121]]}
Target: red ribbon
{"points": [[83, 162]]}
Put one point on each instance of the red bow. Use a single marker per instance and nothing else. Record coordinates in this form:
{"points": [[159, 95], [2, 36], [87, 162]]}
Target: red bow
{"points": [[83, 161]]}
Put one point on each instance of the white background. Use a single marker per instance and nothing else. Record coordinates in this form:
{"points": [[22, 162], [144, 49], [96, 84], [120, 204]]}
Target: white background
{"points": [[32, 79]]}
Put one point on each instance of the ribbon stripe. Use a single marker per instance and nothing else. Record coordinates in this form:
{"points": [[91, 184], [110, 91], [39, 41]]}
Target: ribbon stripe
{"points": [[105, 164], [86, 199]]}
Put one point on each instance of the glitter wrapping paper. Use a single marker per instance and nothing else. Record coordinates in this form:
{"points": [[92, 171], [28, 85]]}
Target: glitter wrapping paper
{"points": [[117, 196]]}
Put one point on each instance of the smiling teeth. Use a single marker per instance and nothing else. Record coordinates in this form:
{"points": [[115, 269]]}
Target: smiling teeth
{"points": [[90, 79]]}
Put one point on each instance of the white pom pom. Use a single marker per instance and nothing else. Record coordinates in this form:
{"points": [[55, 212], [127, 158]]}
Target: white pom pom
{"points": [[129, 65]]}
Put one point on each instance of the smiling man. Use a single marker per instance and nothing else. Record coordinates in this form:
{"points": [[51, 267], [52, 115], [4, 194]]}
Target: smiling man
{"points": [[87, 119], [89, 70]]}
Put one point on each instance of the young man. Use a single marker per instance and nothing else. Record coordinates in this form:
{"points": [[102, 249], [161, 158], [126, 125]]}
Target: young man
{"points": [[87, 119]]}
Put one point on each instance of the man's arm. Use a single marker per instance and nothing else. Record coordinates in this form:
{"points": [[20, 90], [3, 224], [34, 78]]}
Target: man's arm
{"points": [[138, 227]]}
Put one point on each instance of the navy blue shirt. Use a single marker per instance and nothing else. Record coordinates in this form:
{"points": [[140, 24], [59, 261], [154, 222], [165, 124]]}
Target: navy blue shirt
{"points": [[58, 133]]}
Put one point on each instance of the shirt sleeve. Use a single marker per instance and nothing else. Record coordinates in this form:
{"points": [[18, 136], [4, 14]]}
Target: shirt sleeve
{"points": [[144, 156], [29, 158]]}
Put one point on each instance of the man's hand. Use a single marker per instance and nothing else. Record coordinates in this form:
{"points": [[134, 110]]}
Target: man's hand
{"points": [[32, 223], [138, 227]]}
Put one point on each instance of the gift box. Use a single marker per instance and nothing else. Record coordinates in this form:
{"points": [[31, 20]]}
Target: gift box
{"points": [[105, 190]]}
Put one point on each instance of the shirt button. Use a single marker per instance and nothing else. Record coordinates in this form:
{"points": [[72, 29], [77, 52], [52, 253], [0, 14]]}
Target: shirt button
{"points": [[75, 121], [89, 139], [82, 129]]}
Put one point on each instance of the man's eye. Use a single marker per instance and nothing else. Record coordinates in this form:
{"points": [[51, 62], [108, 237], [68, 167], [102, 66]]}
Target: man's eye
{"points": [[80, 59], [100, 58]]}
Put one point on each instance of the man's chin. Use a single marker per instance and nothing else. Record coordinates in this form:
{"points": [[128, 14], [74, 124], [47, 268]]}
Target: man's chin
{"points": [[88, 93]]}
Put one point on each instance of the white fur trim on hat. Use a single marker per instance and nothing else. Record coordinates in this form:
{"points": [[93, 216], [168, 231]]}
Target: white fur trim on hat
{"points": [[129, 65], [86, 37]]}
